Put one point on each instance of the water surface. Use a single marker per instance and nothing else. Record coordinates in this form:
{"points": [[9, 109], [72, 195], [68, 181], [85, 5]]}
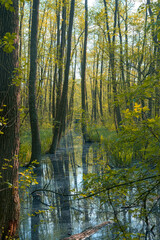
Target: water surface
{"points": [[49, 211]]}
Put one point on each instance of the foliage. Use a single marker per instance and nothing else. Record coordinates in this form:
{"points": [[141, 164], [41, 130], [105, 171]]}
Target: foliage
{"points": [[7, 42], [131, 167], [27, 178], [25, 143], [17, 77], [3, 120], [130, 177], [99, 133], [8, 4]]}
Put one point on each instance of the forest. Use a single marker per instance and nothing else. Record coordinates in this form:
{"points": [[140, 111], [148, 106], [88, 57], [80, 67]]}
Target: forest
{"points": [[80, 119]]}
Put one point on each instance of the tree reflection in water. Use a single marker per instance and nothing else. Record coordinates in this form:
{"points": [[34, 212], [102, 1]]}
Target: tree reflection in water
{"points": [[36, 206], [55, 214]]}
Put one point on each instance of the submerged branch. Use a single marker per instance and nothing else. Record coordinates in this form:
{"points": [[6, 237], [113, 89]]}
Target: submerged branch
{"points": [[87, 233]]}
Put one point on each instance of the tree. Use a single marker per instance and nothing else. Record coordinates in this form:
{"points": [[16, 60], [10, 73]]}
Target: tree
{"points": [[156, 62], [83, 76], [61, 114], [117, 114], [9, 120], [36, 145]]}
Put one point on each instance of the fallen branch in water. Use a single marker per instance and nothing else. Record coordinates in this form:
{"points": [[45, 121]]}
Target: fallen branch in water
{"points": [[87, 233]]}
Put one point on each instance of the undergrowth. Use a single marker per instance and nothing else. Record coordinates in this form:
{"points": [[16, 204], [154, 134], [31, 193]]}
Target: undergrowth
{"points": [[25, 143]]}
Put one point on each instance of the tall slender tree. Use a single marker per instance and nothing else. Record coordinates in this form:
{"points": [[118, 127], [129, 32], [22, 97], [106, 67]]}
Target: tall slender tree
{"points": [[36, 145], [101, 84], [83, 76], [156, 62], [61, 114], [9, 125], [117, 113], [61, 48]]}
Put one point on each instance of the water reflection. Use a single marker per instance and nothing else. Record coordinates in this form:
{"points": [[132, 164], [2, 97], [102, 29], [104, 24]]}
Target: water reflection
{"points": [[60, 165], [36, 206], [49, 210]]}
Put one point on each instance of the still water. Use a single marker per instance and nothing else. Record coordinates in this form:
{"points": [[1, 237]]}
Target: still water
{"points": [[49, 210]]}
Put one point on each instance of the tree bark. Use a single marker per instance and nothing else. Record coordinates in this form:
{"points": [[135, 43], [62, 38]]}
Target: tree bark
{"points": [[71, 101], [36, 145], [87, 233], [9, 140], [60, 49], [117, 113], [56, 63], [83, 76], [61, 115], [154, 29], [101, 86]]}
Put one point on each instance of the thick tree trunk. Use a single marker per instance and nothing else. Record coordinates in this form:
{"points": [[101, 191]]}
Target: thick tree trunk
{"points": [[9, 140], [36, 145]]}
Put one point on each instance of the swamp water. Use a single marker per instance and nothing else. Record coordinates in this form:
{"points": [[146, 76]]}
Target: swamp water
{"points": [[50, 212]]}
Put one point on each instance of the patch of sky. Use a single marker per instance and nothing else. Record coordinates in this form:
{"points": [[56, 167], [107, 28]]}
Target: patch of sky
{"points": [[135, 3], [91, 3]]}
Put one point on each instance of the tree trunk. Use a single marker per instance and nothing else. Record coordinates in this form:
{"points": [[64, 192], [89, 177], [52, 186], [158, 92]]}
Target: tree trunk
{"points": [[60, 49], [101, 86], [83, 80], [117, 113], [36, 145], [61, 115], [56, 63], [21, 28], [9, 140], [71, 101]]}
